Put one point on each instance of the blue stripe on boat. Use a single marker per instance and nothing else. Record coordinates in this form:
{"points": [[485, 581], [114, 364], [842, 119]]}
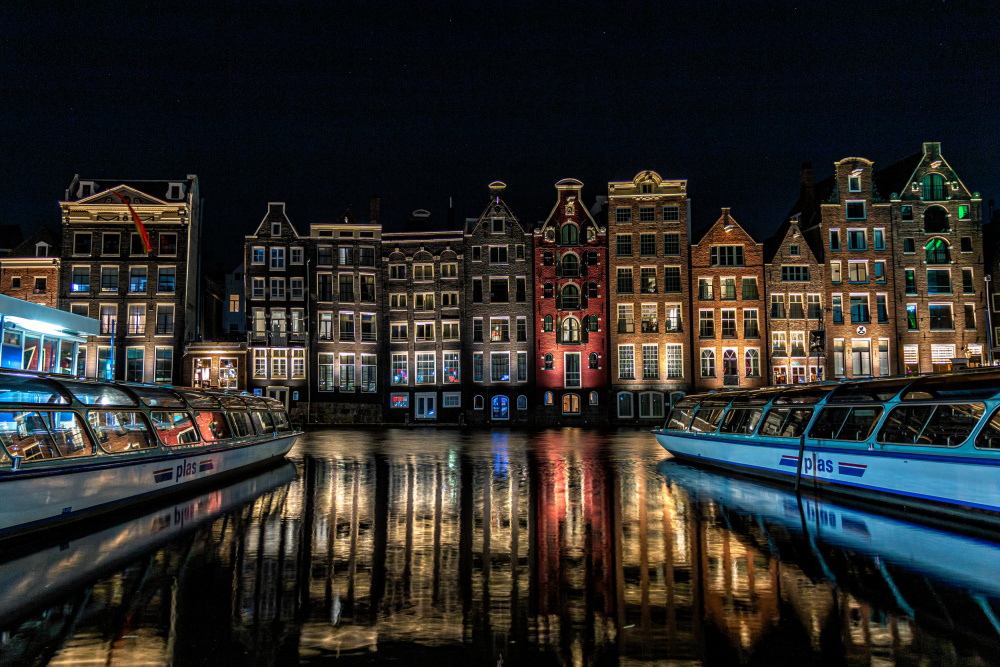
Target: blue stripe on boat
{"points": [[206, 465], [792, 461], [164, 475], [852, 469]]}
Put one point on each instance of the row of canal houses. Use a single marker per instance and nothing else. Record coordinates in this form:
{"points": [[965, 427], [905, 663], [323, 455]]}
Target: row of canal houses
{"points": [[607, 310]]}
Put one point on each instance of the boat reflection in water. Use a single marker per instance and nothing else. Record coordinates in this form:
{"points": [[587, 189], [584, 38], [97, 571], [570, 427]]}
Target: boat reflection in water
{"points": [[563, 547]]}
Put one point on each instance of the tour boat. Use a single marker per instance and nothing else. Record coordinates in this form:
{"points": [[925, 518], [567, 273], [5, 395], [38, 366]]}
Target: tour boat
{"points": [[71, 448], [931, 441]]}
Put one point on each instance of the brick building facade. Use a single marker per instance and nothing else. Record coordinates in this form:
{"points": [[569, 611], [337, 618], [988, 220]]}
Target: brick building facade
{"points": [[727, 307], [570, 299], [793, 278], [276, 306], [650, 346], [146, 302], [498, 324], [857, 235], [425, 273], [941, 300], [31, 271]]}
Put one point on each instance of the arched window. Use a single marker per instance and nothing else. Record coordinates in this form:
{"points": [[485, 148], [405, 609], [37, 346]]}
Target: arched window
{"points": [[590, 233], [570, 297], [522, 402], [547, 258], [933, 187], [593, 360], [570, 234], [753, 363], [548, 323], [593, 398], [938, 251], [729, 363], [571, 330], [548, 361], [593, 322], [592, 289], [935, 220], [500, 408], [708, 363], [571, 404], [548, 398], [477, 403], [570, 265], [547, 290]]}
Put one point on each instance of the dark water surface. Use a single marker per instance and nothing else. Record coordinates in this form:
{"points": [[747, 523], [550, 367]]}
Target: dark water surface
{"points": [[562, 547]]}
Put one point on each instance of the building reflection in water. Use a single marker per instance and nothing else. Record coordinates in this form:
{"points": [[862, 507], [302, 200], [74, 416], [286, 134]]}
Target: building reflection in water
{"points": [[562, 547]]}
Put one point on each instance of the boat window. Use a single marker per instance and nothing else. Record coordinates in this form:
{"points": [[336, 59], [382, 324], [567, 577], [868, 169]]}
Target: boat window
{"points": [[943, 425], [851, 424], [158, 398], [273, 403], [706, 420], [26, 389], [680, 419], [70, 436], [954, 388], [24, 434], [98, 394], [253, 402], [741, 421], [213, 426], [175, 428], [281, 421], [785, 422], [989, 437], [232, 402], [717, 400], [868, 391], [755, 397], [262, 421], [202, 401], [805, 395], [241, 423], [121, 431]]}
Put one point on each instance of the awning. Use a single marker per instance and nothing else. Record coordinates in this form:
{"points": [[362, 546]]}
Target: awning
{"points": [[45, 320]]}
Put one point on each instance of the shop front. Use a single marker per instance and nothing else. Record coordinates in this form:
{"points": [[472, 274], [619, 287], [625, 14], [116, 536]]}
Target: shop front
{"points": [[39, 338]]}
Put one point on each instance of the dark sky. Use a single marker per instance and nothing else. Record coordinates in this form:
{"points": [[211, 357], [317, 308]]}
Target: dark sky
{"points": [[320, 104]]}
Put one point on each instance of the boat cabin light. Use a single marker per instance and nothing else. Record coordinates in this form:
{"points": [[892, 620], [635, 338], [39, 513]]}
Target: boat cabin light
{"points": [[16, 388], [946, 388], [99, 394]]}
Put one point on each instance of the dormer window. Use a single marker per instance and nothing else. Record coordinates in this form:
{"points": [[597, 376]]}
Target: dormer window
{"points": [[175, 191], [86, 189], [275, 229], [42, 249], [647, 188]]}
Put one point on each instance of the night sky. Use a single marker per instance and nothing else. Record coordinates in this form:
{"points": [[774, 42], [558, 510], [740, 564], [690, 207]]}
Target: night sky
{"points": [[322, 104]]}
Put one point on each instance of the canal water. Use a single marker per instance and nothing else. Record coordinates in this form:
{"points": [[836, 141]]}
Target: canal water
{"points": [[471, 547]]}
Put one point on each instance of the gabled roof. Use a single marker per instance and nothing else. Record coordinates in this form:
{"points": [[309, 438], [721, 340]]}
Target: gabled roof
{"points": [[157, 189], [497, 206], [571, 185], [131, 194], [275, 213], [41, 235], [724, 219]]}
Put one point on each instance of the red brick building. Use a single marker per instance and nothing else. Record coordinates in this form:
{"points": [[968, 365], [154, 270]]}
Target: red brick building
{"points": [[727, 307], [571, 331], [31, 271]]}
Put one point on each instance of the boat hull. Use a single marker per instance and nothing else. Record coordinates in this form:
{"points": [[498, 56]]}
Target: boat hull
{"points": [[930, 479], [32, 500]]}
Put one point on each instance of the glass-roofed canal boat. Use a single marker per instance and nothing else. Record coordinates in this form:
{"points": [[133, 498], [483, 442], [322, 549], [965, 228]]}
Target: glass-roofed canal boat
{"points": [[73, 448], [929, 442]]}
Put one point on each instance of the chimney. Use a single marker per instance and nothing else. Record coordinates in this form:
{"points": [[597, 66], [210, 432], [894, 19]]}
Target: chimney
{"points": [[807, 192], [374, 204]]}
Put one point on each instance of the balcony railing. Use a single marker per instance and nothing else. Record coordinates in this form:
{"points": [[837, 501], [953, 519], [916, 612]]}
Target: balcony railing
{"points": [[650, 326], [368, 336], [165, 328]]}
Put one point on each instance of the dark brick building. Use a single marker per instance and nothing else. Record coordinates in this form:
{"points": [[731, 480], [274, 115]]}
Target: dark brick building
{"points": [[349, 362], [424, 282], [276, 309], [793, 277], [31, 271], [856, 229], [941, 302], [498, 323], [571, 329], [727, 307], [146, 302], [650, 341]]}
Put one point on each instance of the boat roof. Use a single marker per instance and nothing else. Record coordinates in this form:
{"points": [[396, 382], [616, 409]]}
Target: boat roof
{"points": [[968, 384], [53, 389]]}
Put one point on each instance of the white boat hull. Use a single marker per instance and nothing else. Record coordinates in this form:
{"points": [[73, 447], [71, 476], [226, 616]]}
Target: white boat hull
{"points": [[30, 499], [906, 477]]}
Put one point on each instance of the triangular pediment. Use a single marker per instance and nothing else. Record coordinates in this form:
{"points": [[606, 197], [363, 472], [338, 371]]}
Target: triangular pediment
{"points": [[131, 195], [933, 162]]}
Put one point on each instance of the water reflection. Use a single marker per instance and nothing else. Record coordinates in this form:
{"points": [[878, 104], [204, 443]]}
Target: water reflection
{"points": [[559, 547]]}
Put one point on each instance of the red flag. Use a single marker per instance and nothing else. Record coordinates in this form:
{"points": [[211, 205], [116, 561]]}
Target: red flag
{"points": [[138, 224]]}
